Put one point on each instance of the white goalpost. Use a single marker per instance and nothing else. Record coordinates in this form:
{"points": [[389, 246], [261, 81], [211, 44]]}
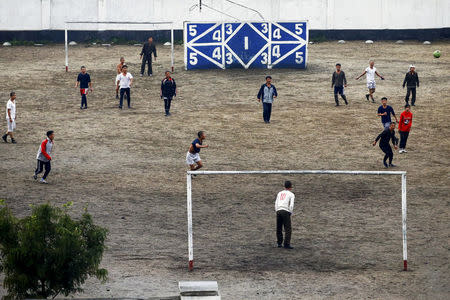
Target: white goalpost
{"points": [[189, 198], [141, 26]]}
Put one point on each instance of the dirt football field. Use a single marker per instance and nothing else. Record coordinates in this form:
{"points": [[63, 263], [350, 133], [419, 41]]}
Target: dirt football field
{"points": [[129, 167]]}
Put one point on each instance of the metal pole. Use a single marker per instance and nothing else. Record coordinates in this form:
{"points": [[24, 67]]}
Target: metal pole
{"points": [[66, 47], [171, 44], [189, 213], [404, 211]]}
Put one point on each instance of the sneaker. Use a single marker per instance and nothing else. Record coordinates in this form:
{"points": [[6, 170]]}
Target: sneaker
{"points": [[130, 107], [337, 105], [367, 97], [150, 75], [385, 164], [280, 246], [400, 151], [34, 176], [81, 107], [13, 141], [120, 107], [404, 151], [288, 247], [392, 165], [4, 138], [43, 181], [141, 75]]}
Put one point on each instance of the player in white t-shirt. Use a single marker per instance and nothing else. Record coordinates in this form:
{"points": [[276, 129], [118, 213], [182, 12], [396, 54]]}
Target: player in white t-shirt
{"points": [[124, 81], [10, 118], [370, 73], [284, 206]]}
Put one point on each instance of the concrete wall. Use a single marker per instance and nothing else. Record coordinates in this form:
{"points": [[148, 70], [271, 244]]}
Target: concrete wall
{"points": [[23, 15]]}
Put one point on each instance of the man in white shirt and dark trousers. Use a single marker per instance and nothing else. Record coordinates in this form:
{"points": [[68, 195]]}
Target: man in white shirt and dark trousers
{"points": [[284, 206], [124, 81], [10, 118]]}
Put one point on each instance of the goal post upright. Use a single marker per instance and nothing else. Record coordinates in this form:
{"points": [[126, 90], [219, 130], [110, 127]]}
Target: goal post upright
{"points": [[67, 28], [342, 172], [66, 47]]}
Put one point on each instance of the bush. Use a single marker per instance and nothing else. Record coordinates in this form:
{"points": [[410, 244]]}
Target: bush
{"points": [[49, 253]]}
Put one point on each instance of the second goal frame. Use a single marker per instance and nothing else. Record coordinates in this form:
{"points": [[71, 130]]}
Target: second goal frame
{"points": [[284, 172]]}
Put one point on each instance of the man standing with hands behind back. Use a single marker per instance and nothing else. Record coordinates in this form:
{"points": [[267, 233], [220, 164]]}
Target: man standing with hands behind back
{"points": [[146, 56]]}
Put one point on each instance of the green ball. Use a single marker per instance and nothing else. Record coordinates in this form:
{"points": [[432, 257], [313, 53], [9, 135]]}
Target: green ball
{"points": [[437, 53]]}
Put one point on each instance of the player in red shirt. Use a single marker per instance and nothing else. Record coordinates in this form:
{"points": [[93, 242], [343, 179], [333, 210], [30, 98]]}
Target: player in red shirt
{"points": [[404, 126]]}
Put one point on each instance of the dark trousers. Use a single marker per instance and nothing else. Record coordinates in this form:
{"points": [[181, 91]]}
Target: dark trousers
{"points": [[267, 111], [284, 220], [147, 59], [387, 152], [167, 102], [403, 138], [83, 101], [122, 92], [339, 90], [40, 168], [410, 91]]}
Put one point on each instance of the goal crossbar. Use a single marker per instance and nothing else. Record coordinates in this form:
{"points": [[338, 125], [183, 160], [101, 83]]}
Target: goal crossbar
{"points": [[345, 172], [68, 23]]}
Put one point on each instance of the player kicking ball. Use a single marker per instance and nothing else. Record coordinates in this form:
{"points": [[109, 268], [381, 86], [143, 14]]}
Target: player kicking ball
{"points": [[370, 73], [193, 156]]}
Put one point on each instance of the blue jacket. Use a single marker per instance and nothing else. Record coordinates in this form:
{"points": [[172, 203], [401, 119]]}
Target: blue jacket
{"points": [[266, 94]]}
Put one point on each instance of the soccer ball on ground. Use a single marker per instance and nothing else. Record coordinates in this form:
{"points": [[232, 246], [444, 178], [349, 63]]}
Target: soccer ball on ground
{"points": [[437, 53]]}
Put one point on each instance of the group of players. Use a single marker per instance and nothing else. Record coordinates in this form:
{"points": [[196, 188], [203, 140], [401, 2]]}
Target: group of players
{"points": [[266, 94], [411, 81]]}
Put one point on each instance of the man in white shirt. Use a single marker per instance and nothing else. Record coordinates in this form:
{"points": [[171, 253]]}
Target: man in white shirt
{"points": [[10, 118], [284, 206], [124, 81], [370, 73]]}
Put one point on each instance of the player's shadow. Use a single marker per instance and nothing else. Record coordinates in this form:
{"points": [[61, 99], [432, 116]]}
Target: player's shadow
{"points": [[260, 257]]}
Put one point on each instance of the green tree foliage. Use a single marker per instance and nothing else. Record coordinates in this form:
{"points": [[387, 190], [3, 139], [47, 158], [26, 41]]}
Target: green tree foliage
{"points": [[49, 253]]}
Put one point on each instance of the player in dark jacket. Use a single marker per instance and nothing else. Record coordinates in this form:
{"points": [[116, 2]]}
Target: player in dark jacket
{"points": [[411, 81], [168, 91], [146, 56], [384, 137]]}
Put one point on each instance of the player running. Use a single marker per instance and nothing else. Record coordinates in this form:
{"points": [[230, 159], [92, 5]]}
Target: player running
{"points": [[339, 81], [10, 118], [168, 91], [411, 81], [370, 73], [384, 137], [193, 157], [119, 71], [84, 81], [284, 206], [43, 157]]}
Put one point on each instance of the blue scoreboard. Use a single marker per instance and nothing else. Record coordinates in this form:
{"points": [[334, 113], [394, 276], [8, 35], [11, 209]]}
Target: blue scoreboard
{"points": [[209, 45]]}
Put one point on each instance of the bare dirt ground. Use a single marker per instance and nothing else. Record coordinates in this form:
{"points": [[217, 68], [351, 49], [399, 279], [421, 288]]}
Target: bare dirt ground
{"points": [[128, 167]]}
